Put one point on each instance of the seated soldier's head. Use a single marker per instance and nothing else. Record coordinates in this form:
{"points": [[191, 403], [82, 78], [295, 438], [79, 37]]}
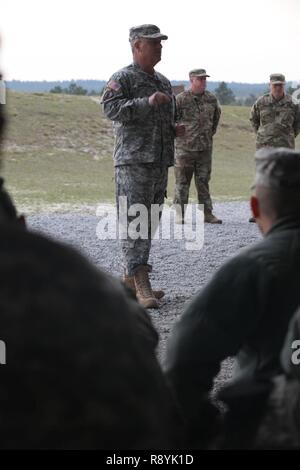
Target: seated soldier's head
{"points": [[277, 186]]}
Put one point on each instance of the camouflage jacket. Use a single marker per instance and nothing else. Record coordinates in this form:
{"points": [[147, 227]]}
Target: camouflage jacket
{"points": [[143, 133], [200, 115], [276, 123]]}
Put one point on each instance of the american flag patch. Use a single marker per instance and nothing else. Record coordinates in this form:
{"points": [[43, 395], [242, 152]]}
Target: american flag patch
{"points": [[114, 85]]}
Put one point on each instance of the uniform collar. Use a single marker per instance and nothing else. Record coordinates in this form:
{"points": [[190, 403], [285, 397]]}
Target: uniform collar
{"points": [[272, 99], [196, 97], [285, 223], [139, 69]]}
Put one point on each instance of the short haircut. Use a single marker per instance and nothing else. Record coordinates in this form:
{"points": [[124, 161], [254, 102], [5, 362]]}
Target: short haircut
{"points": [[278, 181]]}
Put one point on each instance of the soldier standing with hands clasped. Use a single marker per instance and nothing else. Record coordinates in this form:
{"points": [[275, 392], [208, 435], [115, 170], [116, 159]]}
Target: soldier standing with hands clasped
{"points": [[275, 117], [199, 111]]}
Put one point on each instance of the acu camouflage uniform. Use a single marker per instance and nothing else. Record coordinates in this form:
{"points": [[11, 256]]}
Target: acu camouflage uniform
{"points": [[144, 147], [200, 114], [276, 122]]}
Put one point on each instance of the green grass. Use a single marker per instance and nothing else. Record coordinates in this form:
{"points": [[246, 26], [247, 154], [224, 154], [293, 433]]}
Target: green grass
{"points": [[58, 152]]}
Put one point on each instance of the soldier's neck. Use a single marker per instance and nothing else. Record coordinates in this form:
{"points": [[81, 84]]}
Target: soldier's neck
{"points": [[278, 98], [198, 94], [146, 67]]}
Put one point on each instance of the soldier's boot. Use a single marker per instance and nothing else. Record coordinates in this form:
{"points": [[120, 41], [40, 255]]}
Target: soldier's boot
{"points": [[129, 282], [252, 220], [210, 218], [143, 288]]}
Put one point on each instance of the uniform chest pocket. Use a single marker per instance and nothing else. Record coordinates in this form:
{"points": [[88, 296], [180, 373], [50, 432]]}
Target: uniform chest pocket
{"points": [[141, 90], [267, 116], [207, 110], [189, 113], [285, 116]]}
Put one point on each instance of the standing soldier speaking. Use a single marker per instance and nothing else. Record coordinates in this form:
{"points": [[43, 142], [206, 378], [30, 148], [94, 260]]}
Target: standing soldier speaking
{"points": [[275, 116], [199, 111], [139, 101]]}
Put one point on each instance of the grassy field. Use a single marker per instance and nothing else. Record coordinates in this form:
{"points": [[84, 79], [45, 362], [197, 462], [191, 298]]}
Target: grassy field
{"points": [[58, 153]]}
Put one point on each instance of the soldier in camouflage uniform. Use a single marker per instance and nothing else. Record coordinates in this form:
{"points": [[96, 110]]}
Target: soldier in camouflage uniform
{"points": [[140, 103], [199, 111], [275, 117]]}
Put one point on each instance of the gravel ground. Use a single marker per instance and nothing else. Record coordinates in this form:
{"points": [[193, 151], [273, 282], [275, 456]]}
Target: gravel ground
{"points": [[179, 272]]}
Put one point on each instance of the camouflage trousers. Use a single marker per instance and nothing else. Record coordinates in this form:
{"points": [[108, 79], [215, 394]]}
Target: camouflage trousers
{"points": [[199, 165], [142, 184]]}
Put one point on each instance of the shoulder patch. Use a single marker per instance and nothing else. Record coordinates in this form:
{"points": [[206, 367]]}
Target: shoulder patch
{"points": [[113, 85]]}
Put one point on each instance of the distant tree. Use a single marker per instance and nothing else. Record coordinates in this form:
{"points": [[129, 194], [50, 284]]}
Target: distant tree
{"points": [[250, 100], [93, 93], [224, 94], [57, 89], [239, 102], [74, 89]]}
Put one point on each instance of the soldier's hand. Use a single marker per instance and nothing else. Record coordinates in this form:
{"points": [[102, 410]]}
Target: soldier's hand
{"points": [[179, 130], [158, 98]]}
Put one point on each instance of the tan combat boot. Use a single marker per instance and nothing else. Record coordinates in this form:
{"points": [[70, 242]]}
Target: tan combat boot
{"points": [[129, 282], [143, 288], [210, 218]]}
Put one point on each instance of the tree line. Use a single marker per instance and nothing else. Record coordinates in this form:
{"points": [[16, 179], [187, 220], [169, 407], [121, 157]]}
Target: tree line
{"points": [[73, 89]]}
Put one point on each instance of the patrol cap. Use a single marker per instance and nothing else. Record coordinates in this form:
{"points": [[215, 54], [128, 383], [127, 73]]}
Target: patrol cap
{"points": [[277, 78], [146, 31], [278, 168], [198, 73]]}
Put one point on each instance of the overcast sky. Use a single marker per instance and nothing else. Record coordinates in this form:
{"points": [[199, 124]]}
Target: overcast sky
{"points": [[235, 40]]}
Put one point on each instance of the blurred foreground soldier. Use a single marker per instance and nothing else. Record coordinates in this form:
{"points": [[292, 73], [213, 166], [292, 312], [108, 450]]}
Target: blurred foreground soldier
{"points": [[8, 211], [275, 116], [81, 370], [140, 103], [199, 111], [244, 311]]}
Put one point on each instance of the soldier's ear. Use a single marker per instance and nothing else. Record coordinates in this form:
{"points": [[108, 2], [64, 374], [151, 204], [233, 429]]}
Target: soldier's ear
{"points": [[255, 206], [137, 44]]}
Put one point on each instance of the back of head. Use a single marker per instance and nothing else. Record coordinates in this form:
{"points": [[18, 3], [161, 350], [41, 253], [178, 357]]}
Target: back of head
{"points": [[278, 181]]}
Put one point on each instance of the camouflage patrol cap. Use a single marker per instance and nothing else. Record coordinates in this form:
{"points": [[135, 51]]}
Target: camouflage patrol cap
{"points": [[198, 73], [277, 78], [278, 168], [146, 31]]}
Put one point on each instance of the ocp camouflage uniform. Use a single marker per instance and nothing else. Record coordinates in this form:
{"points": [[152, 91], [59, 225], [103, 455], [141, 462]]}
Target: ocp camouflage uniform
{"points": [[200, 114], [144, 146], [276, 122]]}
